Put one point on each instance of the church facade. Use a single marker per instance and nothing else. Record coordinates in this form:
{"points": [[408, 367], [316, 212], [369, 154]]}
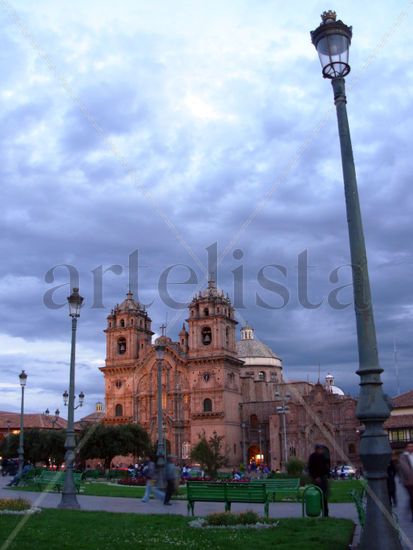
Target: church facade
{"points": [[212, 383]]}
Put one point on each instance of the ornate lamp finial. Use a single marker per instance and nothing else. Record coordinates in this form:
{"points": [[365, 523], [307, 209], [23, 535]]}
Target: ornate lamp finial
{"points": [[328, 15]]}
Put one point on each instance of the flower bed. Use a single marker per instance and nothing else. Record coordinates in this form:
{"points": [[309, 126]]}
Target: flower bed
{"points": [[18, 506], [244, 520], [133, 481]]}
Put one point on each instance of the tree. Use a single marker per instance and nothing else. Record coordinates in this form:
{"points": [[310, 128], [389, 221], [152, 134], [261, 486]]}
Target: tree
{"points": [[39, 446], [106, 441], [208, 453]]}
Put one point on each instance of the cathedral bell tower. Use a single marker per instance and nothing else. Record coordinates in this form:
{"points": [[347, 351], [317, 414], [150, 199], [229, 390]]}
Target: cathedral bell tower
{"points": [[128, 339], [214, 370], [211, 324], [128, 333]]}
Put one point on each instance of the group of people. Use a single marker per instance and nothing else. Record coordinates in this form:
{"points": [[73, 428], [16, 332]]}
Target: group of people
{"points": [[319, 471], [162, 484]]}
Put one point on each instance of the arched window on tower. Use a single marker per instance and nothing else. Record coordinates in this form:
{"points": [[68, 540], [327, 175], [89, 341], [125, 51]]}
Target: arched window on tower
{"points": [[261, 375], [121, 346], [206, 312], [122, 323], [118, 410], [227, 336], [206, 335], [207, 405]]}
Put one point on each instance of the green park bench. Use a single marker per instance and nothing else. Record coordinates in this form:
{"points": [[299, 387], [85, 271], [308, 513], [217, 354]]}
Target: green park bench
{"points": [[281, 487], [49, 479], [91, 474], [199, 491]]}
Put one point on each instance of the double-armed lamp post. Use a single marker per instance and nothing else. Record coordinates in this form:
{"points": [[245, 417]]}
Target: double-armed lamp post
{"points": [[332, 40], [23, 379], [69, 499]]}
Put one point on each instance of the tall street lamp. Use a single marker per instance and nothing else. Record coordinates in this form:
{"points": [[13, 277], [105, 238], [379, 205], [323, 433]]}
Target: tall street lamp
{"points": [[332, 40], [23, 379], [160, 453], [69, 499]]}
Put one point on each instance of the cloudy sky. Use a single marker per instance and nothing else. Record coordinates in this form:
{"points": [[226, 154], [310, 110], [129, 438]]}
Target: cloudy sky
{"points": [[149, 134]]}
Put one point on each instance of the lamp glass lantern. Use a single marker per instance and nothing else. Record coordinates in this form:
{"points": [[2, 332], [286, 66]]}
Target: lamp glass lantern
{"points": [[332, 41], [159, 349], [81, 398], [65, 397], [75, 303], [22, 378]]}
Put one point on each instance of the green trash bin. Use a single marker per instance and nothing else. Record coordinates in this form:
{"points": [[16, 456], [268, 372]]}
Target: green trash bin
{"points": [[312, 501]]}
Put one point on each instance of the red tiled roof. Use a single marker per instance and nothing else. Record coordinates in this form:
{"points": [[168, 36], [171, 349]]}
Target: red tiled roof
{"points": [[91, 418], [403, 400], [399, 421], [11, 421]]}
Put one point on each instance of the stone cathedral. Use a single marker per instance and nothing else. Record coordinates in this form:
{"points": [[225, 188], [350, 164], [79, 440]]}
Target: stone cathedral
{"points": [[211, 382]]}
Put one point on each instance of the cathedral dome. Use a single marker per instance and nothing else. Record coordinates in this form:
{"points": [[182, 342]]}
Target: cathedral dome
{"points": [[329, 385], [254, 352]]}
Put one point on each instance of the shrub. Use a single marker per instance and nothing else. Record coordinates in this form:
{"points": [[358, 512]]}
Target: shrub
{"points": [[248, 518], [222, 518], [14, 504], [295, 467]]}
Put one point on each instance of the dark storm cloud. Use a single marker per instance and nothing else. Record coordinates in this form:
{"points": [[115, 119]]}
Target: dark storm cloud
{"points": [[207, 111]]}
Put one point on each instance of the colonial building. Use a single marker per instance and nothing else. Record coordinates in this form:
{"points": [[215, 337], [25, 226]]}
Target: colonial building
{"points": [[211, 382], [400, 423], [10, 422]]}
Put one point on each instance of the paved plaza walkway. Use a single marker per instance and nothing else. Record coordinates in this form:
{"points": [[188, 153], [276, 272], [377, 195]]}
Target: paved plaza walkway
{"points": [[277, 510]]}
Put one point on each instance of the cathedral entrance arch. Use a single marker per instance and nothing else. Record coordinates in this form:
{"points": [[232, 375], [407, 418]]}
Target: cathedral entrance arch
{"points": [[254, 455]]}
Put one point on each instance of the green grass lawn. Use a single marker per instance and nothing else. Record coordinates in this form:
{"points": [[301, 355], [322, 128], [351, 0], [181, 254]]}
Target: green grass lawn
{"points": [[67, 529], [339, 490]]}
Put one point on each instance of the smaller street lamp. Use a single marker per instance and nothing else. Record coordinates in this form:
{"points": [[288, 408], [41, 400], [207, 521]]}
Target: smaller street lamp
{"points": [[23, 380], [282, 410], [66, 397], [52, 420]]}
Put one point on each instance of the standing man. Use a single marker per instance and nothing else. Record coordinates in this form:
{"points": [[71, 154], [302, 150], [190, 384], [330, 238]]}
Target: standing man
{"points": [[319, 470], [406, 471], [171, 476]]}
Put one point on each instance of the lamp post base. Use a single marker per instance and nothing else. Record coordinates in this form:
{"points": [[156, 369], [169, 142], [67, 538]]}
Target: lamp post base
{"points": [[69, 502]]}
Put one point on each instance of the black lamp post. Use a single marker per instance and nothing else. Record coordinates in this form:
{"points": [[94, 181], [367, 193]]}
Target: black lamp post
{"points": [[332, 40], [160, 453], [23, 379], [282, 410], [69, 499]]}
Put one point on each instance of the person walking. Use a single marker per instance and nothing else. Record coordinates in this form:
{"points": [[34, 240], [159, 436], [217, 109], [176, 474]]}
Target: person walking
{"points": [[391, 482], [171, 476], [406, 471], [149, 473], [319, 470]]}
